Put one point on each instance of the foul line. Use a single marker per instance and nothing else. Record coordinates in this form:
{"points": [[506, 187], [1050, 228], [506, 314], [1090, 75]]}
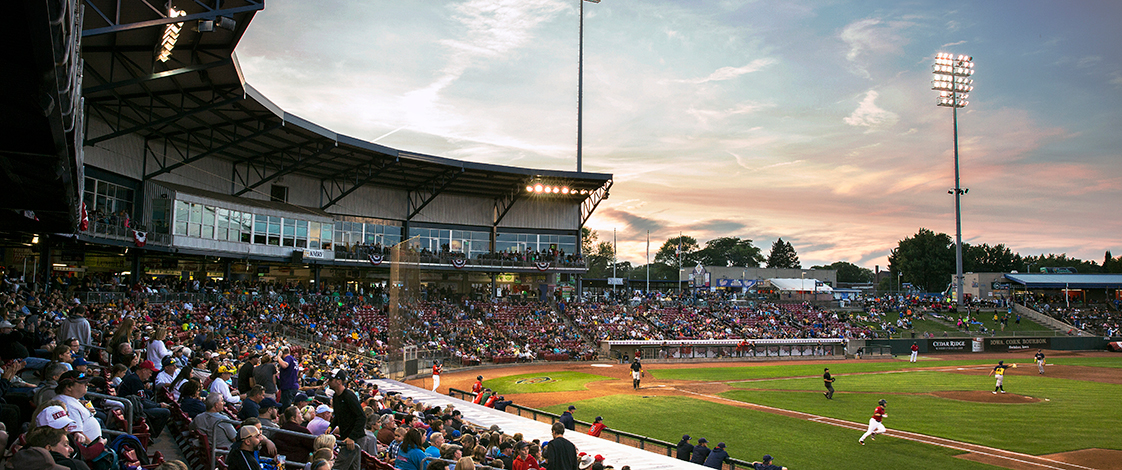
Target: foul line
{"points": [[903, 371], [915, 437]]}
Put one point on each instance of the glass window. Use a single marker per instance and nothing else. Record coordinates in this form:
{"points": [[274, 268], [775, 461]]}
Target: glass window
{"points": [[325, 236], [289, 233], [182, 209], [302, 229], [223, 218], [260, 227], [196, 213]]}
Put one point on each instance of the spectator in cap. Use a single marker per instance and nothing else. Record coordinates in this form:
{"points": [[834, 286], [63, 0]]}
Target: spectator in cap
{"points": [[167, 374], [685, 448], [72, 387], [136, 384], [54, 415], [270, 410], [80, 364], [221, 386], [718, 457], [501, 403], [567, 418], [766, 464], [585, 462], [322, 421], [244, 457], [700, 451], [597, 427]]}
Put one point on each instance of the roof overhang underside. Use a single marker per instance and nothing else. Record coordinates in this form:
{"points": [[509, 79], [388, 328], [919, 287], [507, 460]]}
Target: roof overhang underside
{"points": [[1067, 281], [197, 106]]}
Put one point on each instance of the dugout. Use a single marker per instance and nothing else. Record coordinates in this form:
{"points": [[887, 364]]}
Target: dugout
{"points": [[718, 349]]}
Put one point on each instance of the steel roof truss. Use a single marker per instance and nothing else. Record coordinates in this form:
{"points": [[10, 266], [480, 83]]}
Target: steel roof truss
{"points": [[289, 167], [424, 193], [188, 159], [163, 19], [588, 206], [504, 203], [374, 171]]}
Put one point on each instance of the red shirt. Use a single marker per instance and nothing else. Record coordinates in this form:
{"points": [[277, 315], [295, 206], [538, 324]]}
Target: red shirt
{"points": [[596, 428], [915, 348], [878, 414], [436, 370], [478, 387]]}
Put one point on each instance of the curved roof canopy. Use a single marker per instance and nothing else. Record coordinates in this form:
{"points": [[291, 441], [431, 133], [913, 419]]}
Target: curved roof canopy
{"points": [[1067, 281], [196, 105]]}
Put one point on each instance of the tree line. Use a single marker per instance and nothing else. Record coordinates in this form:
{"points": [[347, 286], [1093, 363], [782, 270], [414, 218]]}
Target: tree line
{"points": [[926, 259]]}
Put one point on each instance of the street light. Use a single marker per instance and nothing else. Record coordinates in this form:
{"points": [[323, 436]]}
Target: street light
{"points": [[580, 81], [952, 81]]}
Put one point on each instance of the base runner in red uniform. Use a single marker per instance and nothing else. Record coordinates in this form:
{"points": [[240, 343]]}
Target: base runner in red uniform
{"points": [[876, 426]]}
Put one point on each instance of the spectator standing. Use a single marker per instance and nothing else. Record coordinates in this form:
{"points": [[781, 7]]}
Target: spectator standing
{"points": [[597, 427], [350, 421], [157, 350], [700, 452], [246, 379], [685, 448], [76, 326], [265, 375], [718, 457], [560, 454], [567, 418], [289, 384]]}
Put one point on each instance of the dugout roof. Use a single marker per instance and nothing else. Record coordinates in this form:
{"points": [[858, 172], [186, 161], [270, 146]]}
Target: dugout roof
{"points": [[197, 105], [1067, 281]]}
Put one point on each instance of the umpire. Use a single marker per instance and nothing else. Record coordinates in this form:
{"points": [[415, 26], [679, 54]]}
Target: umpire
{"points": [[829, 379], [350, 421]]}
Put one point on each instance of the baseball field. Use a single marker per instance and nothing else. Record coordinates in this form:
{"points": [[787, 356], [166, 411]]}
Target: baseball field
{"points": [[941, 410]]}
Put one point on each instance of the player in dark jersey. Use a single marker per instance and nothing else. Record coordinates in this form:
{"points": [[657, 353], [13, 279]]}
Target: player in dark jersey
{"points": [[1040, 360], [999, 372], [829, 380]]}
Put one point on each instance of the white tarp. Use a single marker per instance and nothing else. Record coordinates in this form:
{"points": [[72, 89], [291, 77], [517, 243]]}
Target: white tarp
{"points": [[806, 285], [615, 454]]}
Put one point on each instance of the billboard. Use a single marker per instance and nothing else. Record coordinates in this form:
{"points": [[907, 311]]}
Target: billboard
{"points": [[1017, 344]]}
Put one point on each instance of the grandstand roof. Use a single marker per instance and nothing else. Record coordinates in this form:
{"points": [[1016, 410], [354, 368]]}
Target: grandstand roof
{"points": [[198, 106], [1068, 281]]}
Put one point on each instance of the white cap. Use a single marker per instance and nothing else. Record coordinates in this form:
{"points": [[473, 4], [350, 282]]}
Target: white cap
{"points": [[56, 417], [324, 409]]}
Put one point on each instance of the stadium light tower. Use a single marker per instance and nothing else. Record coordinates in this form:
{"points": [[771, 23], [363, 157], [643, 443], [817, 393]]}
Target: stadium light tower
{"points": [[952, 81], [580, 81]]}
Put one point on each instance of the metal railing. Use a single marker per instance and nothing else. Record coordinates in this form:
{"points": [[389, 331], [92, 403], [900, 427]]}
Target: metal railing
{"points": [[620, 437], [125, 403]]}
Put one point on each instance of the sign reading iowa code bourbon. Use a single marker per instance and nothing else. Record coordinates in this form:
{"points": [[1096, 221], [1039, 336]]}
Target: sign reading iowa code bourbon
{"points": [[1017, 344]]}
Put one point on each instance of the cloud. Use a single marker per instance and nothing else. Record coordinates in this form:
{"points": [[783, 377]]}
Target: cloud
{"points": [[872, 36], [868, 114], [634, 223], [951, 44], [1115, 79], [729, 73]]}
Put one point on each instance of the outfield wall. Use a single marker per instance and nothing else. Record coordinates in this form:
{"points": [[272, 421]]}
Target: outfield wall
{"points": [[711, 349], [992, 344]]}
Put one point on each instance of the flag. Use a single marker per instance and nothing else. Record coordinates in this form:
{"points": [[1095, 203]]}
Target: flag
{"points": [[140, 237], [84, 220]]}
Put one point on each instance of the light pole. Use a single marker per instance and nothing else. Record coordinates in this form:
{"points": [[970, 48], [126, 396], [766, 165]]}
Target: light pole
{"points": [[580, 82], [952, 81]]}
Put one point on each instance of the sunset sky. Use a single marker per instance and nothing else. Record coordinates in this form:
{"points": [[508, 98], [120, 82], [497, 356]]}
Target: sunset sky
{"points": [[811, 121]]}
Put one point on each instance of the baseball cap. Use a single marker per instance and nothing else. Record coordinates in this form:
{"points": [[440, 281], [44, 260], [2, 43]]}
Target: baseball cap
{"points": [[224, 369], [6, 324], [685, 437], [586, 461], [269, 403], [149, 365], [248, 431], [69, 378], [702, 441], [720, 445], [167, 361], [767, 457], [81, 362], [56, 417], [35, 458], [572, 408], [340, 374], [301, 397], [323, 409]]}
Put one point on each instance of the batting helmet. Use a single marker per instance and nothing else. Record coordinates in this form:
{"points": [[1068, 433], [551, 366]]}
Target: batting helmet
{"points": [[882, 402]]}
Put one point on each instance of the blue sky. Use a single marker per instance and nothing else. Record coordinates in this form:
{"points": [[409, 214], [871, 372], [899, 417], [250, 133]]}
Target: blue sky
{"points": [[811, 121]]}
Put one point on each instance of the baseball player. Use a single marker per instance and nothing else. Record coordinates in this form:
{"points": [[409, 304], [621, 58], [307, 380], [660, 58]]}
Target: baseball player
{"points": [[876, 426], [437, 368], [1040, 360], [999, 372], [829, 380], [636, 373], [477, 389], [915, 352]]}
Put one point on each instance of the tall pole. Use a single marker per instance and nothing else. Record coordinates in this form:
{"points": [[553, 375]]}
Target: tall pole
{"points": [[580, 85], [648, 291], [952, 80], [614, 263], [957, 212]]}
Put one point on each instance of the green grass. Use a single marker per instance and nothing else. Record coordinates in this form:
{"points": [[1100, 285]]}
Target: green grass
{"points": [[1075, 416], [1115, 362], [724, 374], [560, 381], [750, 434]]}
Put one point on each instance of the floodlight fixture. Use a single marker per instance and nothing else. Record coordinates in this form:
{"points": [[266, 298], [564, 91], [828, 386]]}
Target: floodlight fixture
{"points": [[171, 35]]}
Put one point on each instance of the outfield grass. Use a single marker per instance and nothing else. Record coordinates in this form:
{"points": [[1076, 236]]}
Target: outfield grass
{"points": [[538, 382], [794, 369], [1075, 416], [749, 434]]}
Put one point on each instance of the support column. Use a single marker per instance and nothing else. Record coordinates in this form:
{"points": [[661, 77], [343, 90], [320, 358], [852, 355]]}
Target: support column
{"points": [[135, 269], [45, 261]]}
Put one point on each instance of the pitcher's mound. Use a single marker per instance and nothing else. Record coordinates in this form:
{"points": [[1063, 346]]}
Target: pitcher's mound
{"points": [[985, 397]]}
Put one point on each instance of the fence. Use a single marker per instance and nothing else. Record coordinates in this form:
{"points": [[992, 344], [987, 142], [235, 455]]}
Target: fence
{"points": [[621, 437]]}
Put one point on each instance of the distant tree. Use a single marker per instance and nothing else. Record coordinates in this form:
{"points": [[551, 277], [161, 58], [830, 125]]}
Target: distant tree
{"points": [[1112, 265], [659, 272], [849, 272], [783, 256], [1060, 261], [668, 253], [989, 259], [600, 261], [927, 260], [730, 251], [588, 239]]}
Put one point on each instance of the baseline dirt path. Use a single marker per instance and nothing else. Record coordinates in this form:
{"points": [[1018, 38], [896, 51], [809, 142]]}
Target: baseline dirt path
{"points": [[1086, 459]]}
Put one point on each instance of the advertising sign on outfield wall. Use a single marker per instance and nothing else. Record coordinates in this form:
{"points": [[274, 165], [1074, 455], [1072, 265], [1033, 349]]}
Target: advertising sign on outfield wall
{"points": [[1017, 344], [950, 345]]}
